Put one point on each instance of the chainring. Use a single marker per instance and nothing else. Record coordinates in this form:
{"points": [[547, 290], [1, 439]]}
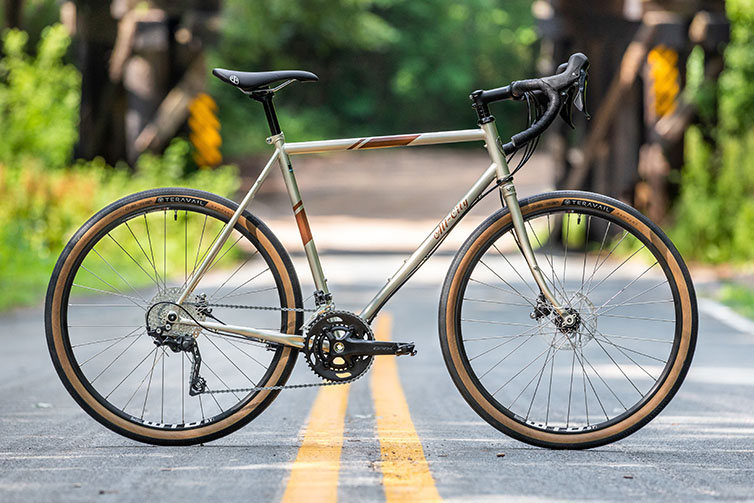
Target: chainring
{"points": [[327, 330]]}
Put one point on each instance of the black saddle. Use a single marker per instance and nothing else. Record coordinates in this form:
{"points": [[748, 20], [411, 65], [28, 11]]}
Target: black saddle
{"points": [[251, 81]]}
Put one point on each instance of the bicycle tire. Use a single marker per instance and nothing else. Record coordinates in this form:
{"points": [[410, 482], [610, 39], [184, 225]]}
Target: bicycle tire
{"points": [[641, 337], [90, 262]]}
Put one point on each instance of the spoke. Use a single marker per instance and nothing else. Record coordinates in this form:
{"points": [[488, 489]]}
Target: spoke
{"points": [[549, 260], [183, 392], [134, 261], [134, 299], [618, 366], [505, 357], [154, 362], [591, 385], [633, 361], [625, 287], [549, 389], [539, 379], [645, 339], [567, 222], [231, 361], [119, 275], [162, 392], [520, 372], [138, 243], [510, 292], [227, 295], [597, 263], [164, 246], [117, 291], [241, 350], [250, 292], [486, 301], [637, 318], [514, 270], [492, 337], [615, 306], [204, 255], [603, 382], [132, 333], [130, 373], [625, 233], [583, 375], [509, 285], [586, 249], [507, 323], [503, 343], [146, 395], [607, 340], [151, 249], [234, 273], [116, 359], [644, 303], [216, 261], [570, 388], [100, 305], [185, 246], [221, 380]]}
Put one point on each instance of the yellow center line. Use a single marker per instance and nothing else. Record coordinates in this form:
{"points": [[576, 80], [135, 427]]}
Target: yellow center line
{"points": [[314, 475], [405, 472]]}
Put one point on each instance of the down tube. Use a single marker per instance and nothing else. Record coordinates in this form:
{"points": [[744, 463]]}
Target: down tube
{"points": [[429, 245]]}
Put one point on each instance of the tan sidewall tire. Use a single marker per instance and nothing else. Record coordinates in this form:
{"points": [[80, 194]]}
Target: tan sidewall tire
{"points": [[283, 362], [455, 361]]}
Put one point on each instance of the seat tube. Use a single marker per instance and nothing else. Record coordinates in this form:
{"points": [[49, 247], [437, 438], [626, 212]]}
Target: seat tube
{"points": [[511, 200], [302, 222]]}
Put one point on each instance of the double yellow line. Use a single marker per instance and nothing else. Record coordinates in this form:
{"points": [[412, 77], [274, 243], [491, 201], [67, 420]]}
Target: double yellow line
{"points": [[405, 472]]}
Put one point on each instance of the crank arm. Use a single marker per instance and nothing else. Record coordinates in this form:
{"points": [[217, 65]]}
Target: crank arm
{"points": [[361, 347], [292, 340]]}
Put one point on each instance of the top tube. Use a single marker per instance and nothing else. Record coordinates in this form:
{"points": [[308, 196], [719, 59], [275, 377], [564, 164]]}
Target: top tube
{"points": [[409, 140]]}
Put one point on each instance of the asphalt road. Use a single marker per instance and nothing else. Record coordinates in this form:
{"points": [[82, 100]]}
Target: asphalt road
{"points": [[701, 448]]}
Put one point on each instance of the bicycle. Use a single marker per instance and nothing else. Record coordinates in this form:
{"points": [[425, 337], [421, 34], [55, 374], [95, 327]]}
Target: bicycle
{"points": [[144, 280]]}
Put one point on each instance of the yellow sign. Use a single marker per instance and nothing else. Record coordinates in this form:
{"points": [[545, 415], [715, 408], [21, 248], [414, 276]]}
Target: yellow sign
{"points": [[205, 131], [665, 80]]}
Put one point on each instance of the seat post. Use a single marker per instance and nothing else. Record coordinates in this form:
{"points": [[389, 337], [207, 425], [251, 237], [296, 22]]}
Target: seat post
{"points": [[264, 96]]}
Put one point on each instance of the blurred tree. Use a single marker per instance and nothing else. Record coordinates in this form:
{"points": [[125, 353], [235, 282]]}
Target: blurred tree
{"points": [[385, 66]]}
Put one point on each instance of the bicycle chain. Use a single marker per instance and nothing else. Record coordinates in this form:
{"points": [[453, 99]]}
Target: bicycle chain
{"points": [[279, 387]]}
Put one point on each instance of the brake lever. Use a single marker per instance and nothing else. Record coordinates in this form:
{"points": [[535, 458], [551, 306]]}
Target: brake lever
{"points": [[566, 110], [580, 99]]}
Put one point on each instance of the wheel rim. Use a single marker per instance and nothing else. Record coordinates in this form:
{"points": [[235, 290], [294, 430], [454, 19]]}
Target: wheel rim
{"points": [[550, 379], [116, 360]]}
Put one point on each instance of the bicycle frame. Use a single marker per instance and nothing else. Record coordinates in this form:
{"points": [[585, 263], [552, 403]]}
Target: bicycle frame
{"points": [[498, 170]]}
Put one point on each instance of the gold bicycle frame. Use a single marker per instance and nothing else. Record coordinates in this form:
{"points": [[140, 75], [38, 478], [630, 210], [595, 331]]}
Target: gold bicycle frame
{"points": [[498, 170]]}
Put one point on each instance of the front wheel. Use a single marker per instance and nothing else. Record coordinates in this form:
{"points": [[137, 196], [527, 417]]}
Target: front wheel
{"points": [[535, 379], [124, 270]]}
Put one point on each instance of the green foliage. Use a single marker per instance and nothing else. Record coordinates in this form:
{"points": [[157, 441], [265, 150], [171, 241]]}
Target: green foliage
{"points": [[715, 211], [43, 200], [40, 209], [740, 298], [39, 99], [385, 66]]}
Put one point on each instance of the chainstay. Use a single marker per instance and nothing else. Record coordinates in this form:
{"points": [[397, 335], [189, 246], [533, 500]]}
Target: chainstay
{"points": [[264, 308]]}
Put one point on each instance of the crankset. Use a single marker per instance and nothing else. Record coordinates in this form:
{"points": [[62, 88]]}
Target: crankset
{"points": [[340, 346]]}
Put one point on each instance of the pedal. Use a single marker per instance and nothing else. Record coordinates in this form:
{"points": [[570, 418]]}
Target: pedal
{"points": [[405, 348], [361, 347]]}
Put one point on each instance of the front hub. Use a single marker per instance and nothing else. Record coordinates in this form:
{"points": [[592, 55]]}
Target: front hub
{"points": [[574, 329]]}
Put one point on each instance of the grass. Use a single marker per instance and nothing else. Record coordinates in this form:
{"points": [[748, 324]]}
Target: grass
{"points": [[739, 298]]}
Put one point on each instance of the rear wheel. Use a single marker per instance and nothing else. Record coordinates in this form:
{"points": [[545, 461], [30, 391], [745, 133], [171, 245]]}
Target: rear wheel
{"points": [[128, 264], [599, 380]]}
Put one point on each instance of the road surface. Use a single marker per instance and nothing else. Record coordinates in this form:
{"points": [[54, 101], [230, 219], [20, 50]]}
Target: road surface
{"points": [[402, 424]]}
